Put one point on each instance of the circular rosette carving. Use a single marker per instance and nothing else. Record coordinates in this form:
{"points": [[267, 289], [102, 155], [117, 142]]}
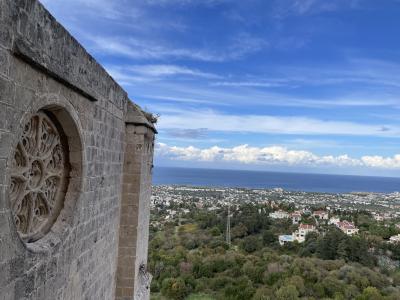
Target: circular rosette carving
{"points": [[39, 177]]}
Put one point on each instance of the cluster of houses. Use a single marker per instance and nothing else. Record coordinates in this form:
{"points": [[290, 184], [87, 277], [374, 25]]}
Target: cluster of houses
{"points": [[300, 234], [174, 201], [296, 216], [382, 216]]}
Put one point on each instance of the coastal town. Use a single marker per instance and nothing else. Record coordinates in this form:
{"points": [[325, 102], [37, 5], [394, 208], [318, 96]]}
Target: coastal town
{"points": [[308, 211], [277, 244]]}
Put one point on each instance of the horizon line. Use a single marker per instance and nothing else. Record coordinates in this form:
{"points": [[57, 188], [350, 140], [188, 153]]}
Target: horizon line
{"points": [[280, 172]]}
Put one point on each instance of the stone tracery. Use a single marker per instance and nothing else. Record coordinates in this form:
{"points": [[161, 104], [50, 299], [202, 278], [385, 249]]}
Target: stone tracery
{"points": [[39, 178]]}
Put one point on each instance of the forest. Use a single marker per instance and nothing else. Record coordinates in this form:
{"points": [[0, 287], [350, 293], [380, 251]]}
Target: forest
{"points": [[190, 258]]}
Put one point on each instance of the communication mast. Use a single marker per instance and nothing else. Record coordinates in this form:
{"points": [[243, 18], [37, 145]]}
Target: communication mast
{"points": [[228, 224]]}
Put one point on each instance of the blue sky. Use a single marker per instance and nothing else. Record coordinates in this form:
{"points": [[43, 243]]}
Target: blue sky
{"points": [[291, 85]]}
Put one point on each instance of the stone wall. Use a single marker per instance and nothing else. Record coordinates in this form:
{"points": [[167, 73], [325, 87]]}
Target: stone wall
{"points": [[70, 247], [133, 281]]}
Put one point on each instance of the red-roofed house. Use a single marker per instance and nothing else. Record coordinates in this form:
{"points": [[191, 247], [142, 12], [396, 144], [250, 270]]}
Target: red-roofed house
{"points": [[347, 227]]}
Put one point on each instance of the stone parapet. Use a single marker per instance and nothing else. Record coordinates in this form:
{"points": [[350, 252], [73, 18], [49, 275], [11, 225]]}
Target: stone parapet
{"points": [[133, 280]]}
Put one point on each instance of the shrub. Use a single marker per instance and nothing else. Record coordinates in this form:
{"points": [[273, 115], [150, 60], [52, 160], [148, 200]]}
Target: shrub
{"points": [[287, 292], [370, 293], [174, 288]]}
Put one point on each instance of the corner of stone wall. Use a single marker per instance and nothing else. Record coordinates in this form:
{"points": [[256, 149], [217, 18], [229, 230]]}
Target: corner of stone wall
{"points": [[133, 280]]}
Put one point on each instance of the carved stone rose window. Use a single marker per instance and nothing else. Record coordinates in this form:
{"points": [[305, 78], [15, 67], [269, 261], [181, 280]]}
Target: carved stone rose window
{"points": [[39, 177]]}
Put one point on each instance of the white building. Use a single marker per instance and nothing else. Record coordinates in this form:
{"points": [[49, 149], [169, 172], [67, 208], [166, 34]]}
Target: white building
{"points": [[334, 220], [296, 217], [395, 239], [378, 217], [283, 239], [280, 214], [300, 234], [321, 214]]}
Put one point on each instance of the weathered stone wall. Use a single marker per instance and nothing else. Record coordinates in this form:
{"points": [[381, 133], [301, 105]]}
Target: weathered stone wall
{"points": [[43, 68], [133, 281]]}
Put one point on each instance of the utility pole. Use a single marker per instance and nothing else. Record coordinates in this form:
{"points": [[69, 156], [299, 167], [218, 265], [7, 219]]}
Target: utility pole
{"points": [[228, 225]]}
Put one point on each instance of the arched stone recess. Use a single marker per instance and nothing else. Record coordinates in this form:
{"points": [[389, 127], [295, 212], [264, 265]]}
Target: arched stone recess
{"points": [[47, 158]]}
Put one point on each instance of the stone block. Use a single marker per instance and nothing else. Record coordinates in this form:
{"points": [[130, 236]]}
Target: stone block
{"points": [[5, 144], [141, 130], [6, 36], [7, 89], [7, 292], [23, 98], [3, 200], [24, 286], [3, 170], [4, 62], [16, 267]]}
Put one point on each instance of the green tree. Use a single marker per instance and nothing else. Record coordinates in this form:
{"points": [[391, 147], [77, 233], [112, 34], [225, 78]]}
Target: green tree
{"points": [[240, 289], [396, 278], [251, 243], [310, 244], [269, 238], [264, 293], [298, 282], [239, 231], [370, 293], [215, 231], [327, 246], [174, 288], [287, 292]]}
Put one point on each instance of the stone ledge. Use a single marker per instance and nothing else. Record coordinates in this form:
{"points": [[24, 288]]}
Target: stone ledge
{"points": [[136, 116], [36, 59]]}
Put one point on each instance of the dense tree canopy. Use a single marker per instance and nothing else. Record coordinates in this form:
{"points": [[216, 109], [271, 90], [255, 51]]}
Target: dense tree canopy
{"points": [[189, 259]]}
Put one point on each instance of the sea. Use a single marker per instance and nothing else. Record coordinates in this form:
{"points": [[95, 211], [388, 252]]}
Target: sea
{"points": [[267, 180]]}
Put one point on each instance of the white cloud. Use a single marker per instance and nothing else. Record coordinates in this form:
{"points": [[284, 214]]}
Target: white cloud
{"points": [[353, 70], [258, 92], [214, 121], [162, 70], [275, 155], [263, 84], [382, 162], [98, 8], [237, 48], [128, 75], [285, 8], [186, 2], [367, 73]]}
